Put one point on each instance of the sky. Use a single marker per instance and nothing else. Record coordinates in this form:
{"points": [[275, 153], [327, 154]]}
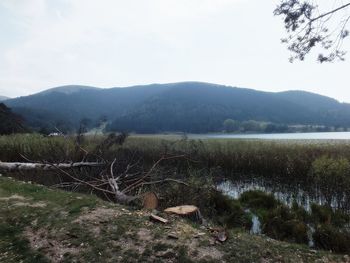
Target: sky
{"points": [[118, 43]]}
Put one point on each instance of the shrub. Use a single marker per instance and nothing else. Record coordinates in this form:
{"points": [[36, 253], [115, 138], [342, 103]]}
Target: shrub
{"points": [[330, 238], [258, 200], [229, 212], [325, 215], [300, 212], [282, 224]]}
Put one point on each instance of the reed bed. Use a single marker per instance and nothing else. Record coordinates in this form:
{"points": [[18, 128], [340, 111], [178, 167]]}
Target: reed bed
{"points": [[292, 164], [268, 158]]}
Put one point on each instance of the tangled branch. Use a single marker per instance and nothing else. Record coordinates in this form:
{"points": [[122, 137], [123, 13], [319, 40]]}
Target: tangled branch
{"points": [[308, 29], [123, 182]]}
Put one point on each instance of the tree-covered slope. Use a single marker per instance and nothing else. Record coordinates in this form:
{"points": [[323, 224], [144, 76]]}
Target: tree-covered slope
{"points": [[10, 122], [198, 107], [186, 106], [57, 106]]}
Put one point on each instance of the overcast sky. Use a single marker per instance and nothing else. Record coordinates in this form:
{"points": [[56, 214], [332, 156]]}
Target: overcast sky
{"points": [[109, 43]]}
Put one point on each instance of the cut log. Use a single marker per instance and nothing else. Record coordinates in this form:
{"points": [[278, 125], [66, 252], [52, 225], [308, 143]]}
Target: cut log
{"points": [[153, 217], [15, 166], [150, 200], [189, 211]]}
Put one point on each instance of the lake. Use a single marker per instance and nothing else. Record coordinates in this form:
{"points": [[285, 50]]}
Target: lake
{"points": [[278, 136]]}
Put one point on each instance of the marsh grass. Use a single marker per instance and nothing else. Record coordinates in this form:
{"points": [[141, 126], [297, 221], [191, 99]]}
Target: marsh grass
{"points": [[309, 166], [286, 158]]}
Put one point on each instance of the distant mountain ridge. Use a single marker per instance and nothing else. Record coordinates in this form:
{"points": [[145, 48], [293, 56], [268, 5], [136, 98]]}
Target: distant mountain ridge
{"points": [[2, 98], [185, 106], [68, 89]]}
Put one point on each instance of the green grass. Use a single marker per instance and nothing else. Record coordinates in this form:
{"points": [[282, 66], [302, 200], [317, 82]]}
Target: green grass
{"points": [[118, 238]]}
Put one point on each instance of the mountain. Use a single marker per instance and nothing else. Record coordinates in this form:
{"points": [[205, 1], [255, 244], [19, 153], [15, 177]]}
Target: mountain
{"points": [[185, 106], [68, 89], [2, 98], [55, 107], [312, 101], [197, 107], [10, 122]]}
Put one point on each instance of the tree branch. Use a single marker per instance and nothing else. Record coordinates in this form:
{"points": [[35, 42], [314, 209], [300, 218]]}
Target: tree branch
{"points": [[330, 12]]}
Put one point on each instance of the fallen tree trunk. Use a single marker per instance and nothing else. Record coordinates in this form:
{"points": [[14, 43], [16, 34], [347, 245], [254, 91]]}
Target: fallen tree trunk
{"points": [[124, 185], [16, 166]]}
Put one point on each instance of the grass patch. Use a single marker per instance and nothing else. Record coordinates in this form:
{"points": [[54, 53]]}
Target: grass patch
{"points": [[86, 236]]}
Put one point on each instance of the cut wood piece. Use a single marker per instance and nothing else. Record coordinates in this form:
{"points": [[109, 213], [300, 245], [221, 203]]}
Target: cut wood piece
{"points": [[189, 211], [199, 234], [150, 200], [153, 217], [173, 236]]}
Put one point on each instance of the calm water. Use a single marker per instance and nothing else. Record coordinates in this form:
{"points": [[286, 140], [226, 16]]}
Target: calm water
{"points": [[279, 136]]}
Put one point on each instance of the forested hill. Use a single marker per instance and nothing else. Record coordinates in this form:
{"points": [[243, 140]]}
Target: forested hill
{"points": [[186, 107], [10, 122]]}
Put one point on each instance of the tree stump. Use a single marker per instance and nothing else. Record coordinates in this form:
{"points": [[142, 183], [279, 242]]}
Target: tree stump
{"points": [[189, 211], [150, 200]]}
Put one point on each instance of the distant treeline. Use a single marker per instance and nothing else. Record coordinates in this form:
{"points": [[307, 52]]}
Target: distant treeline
{"points": [[10, 122], [233, 126], [14, 123]]}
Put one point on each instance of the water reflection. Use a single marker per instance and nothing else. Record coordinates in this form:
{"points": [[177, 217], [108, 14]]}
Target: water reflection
{"points": [[310, 232], [287, 194]]}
